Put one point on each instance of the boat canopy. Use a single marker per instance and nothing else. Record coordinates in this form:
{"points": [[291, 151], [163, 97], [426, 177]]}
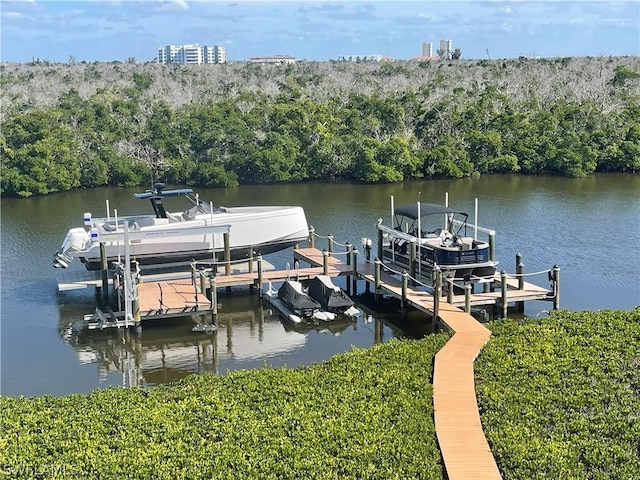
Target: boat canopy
{"points": [[291, 293], [411, 210], [331, 297]]}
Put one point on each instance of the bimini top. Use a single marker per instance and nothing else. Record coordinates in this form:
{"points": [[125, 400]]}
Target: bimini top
{"points": [[411, 210]]}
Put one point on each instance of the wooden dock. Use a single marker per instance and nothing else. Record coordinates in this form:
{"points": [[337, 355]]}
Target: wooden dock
{"points": [[462, 442], [464, 447]]}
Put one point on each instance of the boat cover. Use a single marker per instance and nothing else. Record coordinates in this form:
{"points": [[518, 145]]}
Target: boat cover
{"points": [[331, 297], [411, 210], [292, 294]]}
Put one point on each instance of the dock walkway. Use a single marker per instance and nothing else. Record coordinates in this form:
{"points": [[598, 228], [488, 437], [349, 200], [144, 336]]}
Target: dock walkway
{"points": [[462, 442]]}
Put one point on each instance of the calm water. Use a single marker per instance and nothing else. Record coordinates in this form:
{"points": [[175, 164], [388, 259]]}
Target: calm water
{"points": [[589, 227]]}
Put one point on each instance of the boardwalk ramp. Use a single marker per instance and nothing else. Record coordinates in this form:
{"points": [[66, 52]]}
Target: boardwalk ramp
{"points": [[463, 445]]}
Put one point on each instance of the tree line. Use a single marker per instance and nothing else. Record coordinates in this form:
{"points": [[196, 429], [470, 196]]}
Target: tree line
{"points": [[88, 125]]}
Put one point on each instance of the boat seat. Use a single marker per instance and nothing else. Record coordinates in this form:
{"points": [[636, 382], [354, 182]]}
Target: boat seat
{"points": [[465, 243], [173, 218], [111, 226]]}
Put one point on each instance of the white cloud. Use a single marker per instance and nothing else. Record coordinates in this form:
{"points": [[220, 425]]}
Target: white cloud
{"points": [[13, 15], [173, 5]]}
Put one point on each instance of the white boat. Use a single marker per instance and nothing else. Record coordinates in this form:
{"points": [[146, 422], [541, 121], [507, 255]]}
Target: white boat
{"points": [[195, 233]]}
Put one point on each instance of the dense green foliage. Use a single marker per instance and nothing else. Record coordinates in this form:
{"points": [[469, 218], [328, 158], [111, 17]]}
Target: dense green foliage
{"points": [[363, 414], [560, 396], [81, 126]]}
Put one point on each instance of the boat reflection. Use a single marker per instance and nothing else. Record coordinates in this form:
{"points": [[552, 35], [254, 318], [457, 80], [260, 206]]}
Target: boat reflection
{"points": [[249, 335]]}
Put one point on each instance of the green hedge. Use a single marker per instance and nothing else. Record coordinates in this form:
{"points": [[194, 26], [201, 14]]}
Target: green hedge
{"points": [[364, 414], [560, 396]]}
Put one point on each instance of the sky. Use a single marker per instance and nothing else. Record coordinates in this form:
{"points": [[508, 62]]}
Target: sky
{"points": [[107, 30]]}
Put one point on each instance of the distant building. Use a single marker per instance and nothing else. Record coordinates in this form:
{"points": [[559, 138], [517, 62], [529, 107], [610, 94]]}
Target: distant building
{"points": [[274, 59], [192, 54], [361, 58], [446, 49], [427, 49]]}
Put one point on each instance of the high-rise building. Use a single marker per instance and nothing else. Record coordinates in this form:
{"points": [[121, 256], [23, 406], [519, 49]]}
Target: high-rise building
{"points": [[427, 49], [446, 49], [192, 54]]}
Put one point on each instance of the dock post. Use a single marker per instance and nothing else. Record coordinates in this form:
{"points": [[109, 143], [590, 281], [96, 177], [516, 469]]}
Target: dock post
{"points": [[348, 280], [379, 241], [259, 260], [136, 314], [355, 271], [105, 276], [467, 297], [250, 268], [520, 274], [227, 257], [492, 246], [203, 283], [325, 262], [135, 307], [193, 272], [377, 271], [450, 291], [504, 300], [312, 239], [366, 243], [214, 301], [330, 242], [405, 284], [412, 259], [556, 287], [227, 254], [437, 292]]}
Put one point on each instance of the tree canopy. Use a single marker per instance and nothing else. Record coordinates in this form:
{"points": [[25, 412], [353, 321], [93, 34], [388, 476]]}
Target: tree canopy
{"points": [[67, 126]]}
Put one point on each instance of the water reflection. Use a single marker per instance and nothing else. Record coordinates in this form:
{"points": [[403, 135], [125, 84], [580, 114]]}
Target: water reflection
{"points": [[250, 335]]}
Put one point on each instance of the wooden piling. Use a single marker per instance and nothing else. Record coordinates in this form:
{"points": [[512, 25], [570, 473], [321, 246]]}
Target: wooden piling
{"points": [[259, 261], [250, 266], [380, 240], [348, 279], [437, 293], [135, 308], [492, 246], [556, 287], [403, 298], [227, 254], [325, 261], [412, 259], [504, 301], [520, 275], [214, 301], [312, 237], [467, 298], [203, 282], [355, 271], [330, 244], [105, 274], [377, 272]]}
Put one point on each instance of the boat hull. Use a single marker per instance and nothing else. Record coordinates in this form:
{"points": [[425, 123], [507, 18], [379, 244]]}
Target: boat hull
{"points": [[161, 241]]}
